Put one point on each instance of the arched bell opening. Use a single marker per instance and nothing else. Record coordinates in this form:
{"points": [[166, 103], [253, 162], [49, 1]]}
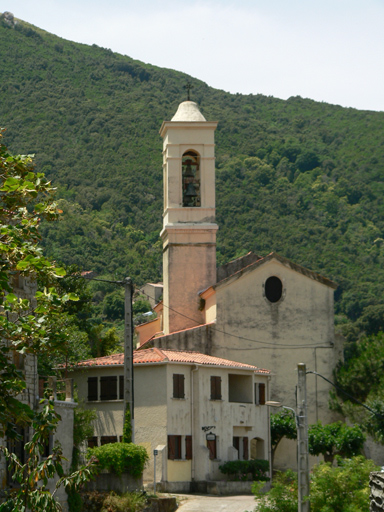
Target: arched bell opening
{"points": [[191, 179]]}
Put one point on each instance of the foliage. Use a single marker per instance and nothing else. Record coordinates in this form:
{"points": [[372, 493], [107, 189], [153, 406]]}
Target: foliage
{"points": [[32, 477], [242, 469], [120, 458], [127, 428], [335, 439], [282, 425], [306, 169], [83, 424], [283, 495], [28, 325], [344, 488], [362, 378], [128, 502]]}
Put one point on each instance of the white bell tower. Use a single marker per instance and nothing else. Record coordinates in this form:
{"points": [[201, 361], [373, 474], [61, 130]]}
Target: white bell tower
{"points": [[189, 228]]}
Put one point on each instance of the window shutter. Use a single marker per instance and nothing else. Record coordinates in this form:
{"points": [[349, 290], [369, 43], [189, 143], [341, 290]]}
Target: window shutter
{"points": [[212, 449], [215, 388], [188, 447], [245, 448], [121, 387], [108, 388], [171, 447], [262, 394], [236, 444], [92, 389], [178, 385]]}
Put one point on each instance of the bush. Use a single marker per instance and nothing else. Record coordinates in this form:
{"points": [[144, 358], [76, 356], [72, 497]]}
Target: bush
{"points": [[120, 458], [129, 502], [241, 469], [283, 495], [344, 488]]}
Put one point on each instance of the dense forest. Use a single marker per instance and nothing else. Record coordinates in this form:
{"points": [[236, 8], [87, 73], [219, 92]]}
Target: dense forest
{"points": [[299, 177]]}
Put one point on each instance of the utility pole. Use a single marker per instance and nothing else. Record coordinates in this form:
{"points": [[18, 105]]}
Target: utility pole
{"points": [[128, 356], [302, 438]]}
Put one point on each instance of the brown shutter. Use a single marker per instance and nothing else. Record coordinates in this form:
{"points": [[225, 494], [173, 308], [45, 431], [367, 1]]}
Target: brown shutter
{"points": [[261, 394], [188, 447], [178, 385], [215, 388], [212, 449], [171, 447], [245, 448], [236, 444]]}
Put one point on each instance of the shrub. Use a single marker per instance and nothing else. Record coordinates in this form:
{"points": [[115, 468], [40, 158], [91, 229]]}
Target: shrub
{"points": [[120, 458], [344, 488], [283, 495], [240, 469], [129, 502]]}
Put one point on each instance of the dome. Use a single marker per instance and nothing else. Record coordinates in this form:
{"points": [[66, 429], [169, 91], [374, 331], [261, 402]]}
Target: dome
{"points": [[188, 111]]}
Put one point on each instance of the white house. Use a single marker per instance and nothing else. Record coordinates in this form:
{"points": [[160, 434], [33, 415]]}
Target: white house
{"points": [[197, 410]]}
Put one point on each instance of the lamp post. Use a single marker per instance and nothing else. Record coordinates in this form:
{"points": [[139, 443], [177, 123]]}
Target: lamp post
{"points": [[301, 418]]}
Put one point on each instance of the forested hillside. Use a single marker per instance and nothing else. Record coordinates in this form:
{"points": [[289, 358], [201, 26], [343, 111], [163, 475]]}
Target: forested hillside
{"points": [[302, 178]]}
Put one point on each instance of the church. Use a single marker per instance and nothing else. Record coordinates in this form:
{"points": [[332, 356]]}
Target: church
{"points": [[265, 311]]}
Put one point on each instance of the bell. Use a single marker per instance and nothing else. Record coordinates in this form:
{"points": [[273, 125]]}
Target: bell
{"points": [[191, 191], [188, 173]]}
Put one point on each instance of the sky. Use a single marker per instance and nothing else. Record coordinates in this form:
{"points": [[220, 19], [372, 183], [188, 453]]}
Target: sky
{"points": [[326, 50]]}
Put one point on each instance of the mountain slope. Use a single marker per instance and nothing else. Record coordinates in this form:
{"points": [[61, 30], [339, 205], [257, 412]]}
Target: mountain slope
{"points": [[298, 177]]}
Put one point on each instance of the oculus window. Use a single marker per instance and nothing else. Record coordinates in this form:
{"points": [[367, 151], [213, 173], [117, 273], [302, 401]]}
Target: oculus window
{"points": [[273, 289]]}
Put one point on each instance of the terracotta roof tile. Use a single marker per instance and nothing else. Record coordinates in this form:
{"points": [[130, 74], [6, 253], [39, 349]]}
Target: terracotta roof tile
{"points": [[157, 355]]}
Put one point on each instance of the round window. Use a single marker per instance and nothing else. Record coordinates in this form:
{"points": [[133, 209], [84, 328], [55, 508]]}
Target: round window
{"points": [[273, 289]]}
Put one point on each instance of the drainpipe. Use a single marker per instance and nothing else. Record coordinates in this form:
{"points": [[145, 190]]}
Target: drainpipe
{"points": [[192, 426], [269, 432]]}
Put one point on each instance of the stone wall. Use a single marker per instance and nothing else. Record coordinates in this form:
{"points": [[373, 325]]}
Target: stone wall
{"points": [[376, 483]]}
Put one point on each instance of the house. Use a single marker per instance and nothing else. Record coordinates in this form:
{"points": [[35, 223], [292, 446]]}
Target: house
{"points": [[266, 311], [197, 410]]}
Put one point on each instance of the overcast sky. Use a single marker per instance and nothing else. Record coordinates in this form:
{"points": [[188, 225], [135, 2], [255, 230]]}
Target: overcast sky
{"points": [[327, 50]]}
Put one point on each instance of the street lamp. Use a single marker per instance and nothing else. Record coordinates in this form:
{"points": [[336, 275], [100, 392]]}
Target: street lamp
{"points": [[302, 437]]}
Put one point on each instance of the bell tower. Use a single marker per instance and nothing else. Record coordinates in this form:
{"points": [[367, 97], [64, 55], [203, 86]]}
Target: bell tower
{"points": [[189, 228]]}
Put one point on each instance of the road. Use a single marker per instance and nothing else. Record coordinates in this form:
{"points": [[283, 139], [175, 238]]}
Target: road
{"points": [[195, 503]]}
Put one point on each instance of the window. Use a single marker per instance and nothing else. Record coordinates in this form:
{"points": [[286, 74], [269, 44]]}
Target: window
{"points": [[215, 388], [178, 385], [241, 445], [107, 440], [188, 447], [240, 388], [273, 289], [174, 447], [92, 389], [92, 442], [108, 388], [259, 393], [212, 447]]}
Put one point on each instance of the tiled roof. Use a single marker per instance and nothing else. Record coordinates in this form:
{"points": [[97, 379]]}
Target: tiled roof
{"points": [[157, 355]]}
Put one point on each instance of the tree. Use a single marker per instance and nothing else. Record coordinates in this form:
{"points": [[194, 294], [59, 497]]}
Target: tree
{"points": [[282, 425], [26, 326], [335, 439], [33, 475]]}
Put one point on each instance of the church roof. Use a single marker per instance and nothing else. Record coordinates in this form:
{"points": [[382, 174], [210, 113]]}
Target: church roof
{"points": [[158, 355], [188, 111], [284, 261]]}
